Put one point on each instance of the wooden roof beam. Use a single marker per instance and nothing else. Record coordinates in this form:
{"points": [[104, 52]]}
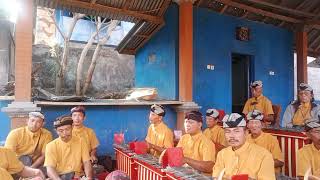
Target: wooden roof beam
{"points": [[260, 11], [224, 8], [127, 4], [199, 2], [104, 8], [164, 7], [315, 41], [285, 9]]}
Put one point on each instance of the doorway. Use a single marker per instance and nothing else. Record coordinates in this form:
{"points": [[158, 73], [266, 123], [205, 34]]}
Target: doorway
{"points": [[241, 77]]}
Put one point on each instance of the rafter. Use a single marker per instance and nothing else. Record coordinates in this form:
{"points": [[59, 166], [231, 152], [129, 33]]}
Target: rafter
{"points": [[265, 18], [164, 7], [298, 7], [224, 8], [282, 8], [104, 8], [260, 11], [127, 4], [315, 41], [199, 2], [245, 14]]}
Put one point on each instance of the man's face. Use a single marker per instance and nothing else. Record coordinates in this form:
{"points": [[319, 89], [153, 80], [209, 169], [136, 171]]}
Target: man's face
{"points": [[256, 92], [154, 118], [314, 135], [65, 132], [78, 118], [192, 126], [235, 136], [34, 123], [304, 96], [210, 121], [255, 126]]}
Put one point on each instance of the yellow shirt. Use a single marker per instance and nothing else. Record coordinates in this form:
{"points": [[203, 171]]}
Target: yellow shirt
{"points": [[24, 142], [87, 135], [261, 103], [67, 157], [270, 143], [302, 114], [9, 161], [216, 134], [4, 174], [308, 157], [197, 147], [159, 135], [249, 159]]}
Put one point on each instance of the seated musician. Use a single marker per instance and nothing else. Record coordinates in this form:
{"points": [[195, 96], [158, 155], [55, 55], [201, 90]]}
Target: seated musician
{"points": [[66, 155], [159, 136], [259, 102], [213, 130], [302, 109], [198, 150], [11, 166], [78, 115], [29, 142], [309, 155], [265, 140], [242, 157]]}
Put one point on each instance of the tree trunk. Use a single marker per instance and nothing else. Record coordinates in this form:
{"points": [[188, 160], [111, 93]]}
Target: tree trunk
{"points": [[81, 62], [95, 56], [61, 72], [63, 63], [91, 69]]}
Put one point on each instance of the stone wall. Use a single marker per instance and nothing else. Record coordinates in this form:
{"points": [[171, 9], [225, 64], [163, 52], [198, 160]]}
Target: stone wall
{"points": [[114, 72]]}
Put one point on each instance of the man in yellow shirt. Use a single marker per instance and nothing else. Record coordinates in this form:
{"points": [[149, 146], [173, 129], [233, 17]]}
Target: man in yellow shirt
{"points": [[213, 130], [309, 155], [78, 115], [259, 102], [9, 164], [242, 157], [29, 142], [66, 155], [198, 150], [265, 140], [159, 136], [297, 112]]}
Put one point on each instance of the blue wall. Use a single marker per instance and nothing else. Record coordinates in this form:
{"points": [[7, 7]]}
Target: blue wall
{"points": [[107, 120], [162, 71], [214, 41], [4, 121]]}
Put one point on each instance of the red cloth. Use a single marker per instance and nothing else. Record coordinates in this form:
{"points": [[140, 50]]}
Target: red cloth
{"points": [[118, 138], [221, 114], [240, 177], [173, 157], [139, 147]]}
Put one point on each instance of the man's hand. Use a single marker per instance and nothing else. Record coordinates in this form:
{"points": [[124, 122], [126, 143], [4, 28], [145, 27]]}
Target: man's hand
{"points": [[93, 159], [39, 173]]}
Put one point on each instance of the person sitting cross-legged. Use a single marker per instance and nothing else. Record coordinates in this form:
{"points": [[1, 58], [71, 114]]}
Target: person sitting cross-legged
{"points": [[66, 155]]}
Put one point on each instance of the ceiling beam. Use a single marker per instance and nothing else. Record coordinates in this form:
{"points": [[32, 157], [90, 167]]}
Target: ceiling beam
{"points": [[104, 8], [164, 7], [282, 8], [260, 11], [127, 4], [315, 41], [149, 37], [245, 14], [224, 8], [199, 2]]}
